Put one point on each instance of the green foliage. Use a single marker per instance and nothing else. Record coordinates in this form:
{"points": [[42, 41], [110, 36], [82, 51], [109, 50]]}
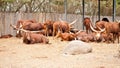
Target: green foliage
{"points": [[118, 2], [25, 1], [15, 0], [73, 6], [8, 1], [58, 2]]}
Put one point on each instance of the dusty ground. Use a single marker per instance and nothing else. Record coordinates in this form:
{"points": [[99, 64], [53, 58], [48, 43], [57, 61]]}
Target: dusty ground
{"points": [[15, 54]]}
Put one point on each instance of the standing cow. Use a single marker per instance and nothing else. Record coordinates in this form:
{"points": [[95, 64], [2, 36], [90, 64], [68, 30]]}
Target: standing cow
{"points": [[48, 25], [87, 23], [22, 23], [63, 26], [31, 25], [110, 27]]}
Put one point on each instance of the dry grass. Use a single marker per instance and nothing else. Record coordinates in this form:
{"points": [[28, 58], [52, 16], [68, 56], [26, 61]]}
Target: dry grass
{"points": [[15, 54]]}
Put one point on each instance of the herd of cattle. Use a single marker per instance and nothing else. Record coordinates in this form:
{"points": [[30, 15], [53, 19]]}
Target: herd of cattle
{"points": [[32, 31]]}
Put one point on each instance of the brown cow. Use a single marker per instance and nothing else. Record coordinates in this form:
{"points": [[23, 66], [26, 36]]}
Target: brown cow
{"points": [[87, 23], [111, 27], [66, 36], [31, 25], [23, 30], [20, 24], [6, 36], [48, 27], [24, 22], [97, 33], [63, 26], [106, 38], [100, 24], [83, 36], [31, 38]]}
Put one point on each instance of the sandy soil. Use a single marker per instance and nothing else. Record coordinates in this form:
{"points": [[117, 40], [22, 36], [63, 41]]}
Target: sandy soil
{"points": [[15, 54]]}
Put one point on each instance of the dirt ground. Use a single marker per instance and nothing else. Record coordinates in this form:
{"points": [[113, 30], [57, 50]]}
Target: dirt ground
{"points": [[15, 54]]}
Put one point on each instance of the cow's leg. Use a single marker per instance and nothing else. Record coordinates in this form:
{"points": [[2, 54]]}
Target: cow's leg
{"points": [[53, 33], [118, 37], [114, 37], [46, 32], [108, 38], [86, 30]]}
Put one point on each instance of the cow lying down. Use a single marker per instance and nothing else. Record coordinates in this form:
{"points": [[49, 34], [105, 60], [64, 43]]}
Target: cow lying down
{"points": [[6, 36], [65, 36], [31, 38], [77, 47]]}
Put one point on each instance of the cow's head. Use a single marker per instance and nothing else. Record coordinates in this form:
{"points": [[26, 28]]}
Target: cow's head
{"points": [[18, 29], [18, 33], [26, 38], [97, 33], [46, 41]]}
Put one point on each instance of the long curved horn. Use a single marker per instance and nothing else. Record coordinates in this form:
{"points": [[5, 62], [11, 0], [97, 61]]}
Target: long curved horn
{"points": [[13, 26], [24, 30], [73, 22], [101, 30], [93, 28], [60, 19], [118, 21], [21, 26], [18, 29], [29, 31]]}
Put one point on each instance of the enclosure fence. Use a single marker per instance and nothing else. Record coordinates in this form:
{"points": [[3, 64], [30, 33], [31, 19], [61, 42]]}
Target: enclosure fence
{"points": [[11, 18]]}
